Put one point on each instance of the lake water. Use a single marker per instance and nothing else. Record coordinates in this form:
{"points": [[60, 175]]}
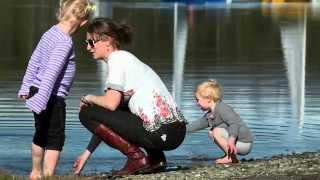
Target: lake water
{"points": [[265, 56]]}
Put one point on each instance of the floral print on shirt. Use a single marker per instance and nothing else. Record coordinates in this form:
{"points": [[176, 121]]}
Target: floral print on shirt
{"points": [[164, 113]]}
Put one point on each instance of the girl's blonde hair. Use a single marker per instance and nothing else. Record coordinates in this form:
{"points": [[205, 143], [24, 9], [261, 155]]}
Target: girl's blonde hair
{"points": [[209, 89], [78, 9]]}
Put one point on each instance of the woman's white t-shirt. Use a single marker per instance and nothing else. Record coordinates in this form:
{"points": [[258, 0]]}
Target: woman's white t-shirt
{"points": [[150, 99]]}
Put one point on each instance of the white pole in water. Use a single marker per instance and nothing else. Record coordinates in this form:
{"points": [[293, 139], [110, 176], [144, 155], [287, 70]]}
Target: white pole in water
{"points": [[303, 68], [180, 36], [175, 22], [294, 46], [175, 27], [103, 9]]}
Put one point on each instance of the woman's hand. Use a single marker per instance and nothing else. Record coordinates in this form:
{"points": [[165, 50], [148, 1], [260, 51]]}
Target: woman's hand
{"points": [[84, 101], [80, 162], [110, 100]]}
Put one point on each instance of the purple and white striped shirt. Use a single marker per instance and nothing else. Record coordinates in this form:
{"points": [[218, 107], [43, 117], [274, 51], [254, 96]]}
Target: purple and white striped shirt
{"points": [[51, 68]]}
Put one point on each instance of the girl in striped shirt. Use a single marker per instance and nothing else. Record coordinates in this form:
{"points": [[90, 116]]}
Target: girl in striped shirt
{"points": [[47, 81]]}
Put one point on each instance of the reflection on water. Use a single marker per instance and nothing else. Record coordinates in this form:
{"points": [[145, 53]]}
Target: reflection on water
{"points": [[265, 56], [293, 38]]}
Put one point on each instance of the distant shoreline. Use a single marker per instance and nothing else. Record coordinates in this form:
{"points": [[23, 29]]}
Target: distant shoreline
{"points": [[297, 166]]}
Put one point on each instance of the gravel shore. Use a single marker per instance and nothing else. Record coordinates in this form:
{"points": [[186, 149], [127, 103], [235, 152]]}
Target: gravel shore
{"points": [[303, 166], [296, 166]]}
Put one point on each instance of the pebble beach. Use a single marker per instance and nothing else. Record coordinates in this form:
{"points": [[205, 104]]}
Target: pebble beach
{"points": [[295, 166]]}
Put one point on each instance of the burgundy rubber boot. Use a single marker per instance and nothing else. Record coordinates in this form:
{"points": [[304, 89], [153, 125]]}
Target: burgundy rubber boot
{"points": [[137, 160], [157, 160]]}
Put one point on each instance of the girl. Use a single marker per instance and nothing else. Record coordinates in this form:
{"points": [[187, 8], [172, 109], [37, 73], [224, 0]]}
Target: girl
{"points": [[227, 129], [47, 82]]}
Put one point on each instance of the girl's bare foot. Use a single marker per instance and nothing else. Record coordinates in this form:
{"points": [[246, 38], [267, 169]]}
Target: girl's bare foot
{"points": [[34, 175], [227, 160], [224, 160]]}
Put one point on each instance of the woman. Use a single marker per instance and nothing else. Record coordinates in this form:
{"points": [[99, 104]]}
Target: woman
{"points": [[136, 110]]}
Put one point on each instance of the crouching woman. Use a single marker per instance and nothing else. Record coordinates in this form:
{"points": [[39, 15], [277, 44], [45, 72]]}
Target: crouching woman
{"points": [[136, 110]]}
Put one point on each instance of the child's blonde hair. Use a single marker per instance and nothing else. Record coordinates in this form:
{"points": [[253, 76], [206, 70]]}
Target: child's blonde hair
{"points": [[209, 89], [78, 9]]}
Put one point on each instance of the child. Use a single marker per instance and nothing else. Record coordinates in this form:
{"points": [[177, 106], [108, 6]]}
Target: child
{"points": [[227, 130], [47, 82]]}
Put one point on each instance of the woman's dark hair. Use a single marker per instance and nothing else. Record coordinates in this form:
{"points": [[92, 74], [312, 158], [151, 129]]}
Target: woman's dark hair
{"points": [[121, 33]]}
